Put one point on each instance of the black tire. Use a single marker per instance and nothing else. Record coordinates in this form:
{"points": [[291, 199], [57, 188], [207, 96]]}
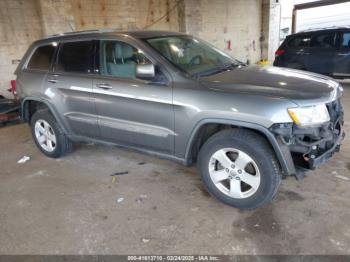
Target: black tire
{"points": [[63, 144], [258, 149]]}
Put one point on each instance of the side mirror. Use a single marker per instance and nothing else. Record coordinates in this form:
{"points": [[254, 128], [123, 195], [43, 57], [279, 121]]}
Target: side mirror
{"points": [[145, 71]]}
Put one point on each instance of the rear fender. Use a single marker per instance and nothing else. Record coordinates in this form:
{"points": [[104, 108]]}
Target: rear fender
{"points": [[24, 111]]}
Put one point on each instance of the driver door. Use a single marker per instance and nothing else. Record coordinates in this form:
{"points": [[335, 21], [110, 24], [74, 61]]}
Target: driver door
{"points": [[131, 111]]}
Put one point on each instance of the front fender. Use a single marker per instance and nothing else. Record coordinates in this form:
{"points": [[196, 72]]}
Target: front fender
{"points": [[282, 152]]}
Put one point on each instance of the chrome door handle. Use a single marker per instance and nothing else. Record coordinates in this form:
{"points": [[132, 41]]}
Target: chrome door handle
{"points": [[104, 86]]}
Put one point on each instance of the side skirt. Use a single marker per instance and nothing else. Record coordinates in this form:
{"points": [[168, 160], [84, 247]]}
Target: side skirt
{"points": [[173, 158]]}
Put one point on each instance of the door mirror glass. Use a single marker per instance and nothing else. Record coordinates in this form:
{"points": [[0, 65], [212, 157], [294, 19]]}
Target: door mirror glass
{"points": [[145, 71]]}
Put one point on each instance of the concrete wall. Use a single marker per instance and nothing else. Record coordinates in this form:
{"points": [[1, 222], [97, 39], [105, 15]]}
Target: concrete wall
{"points": [[56, 16], [19, 25], [238, 22], [271, 17], [68, 15], [126, 14], [221, 21]]}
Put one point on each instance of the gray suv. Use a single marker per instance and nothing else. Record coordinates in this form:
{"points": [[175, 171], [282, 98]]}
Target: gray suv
{"points": [[176, 96]]}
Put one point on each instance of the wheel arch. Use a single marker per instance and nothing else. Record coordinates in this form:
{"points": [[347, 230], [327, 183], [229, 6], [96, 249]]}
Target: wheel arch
{"points": [[282, 156], [30, 105]]}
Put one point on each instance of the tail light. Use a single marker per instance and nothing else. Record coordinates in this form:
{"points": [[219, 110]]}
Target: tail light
{"points": [[279, 52], [13, 87]]}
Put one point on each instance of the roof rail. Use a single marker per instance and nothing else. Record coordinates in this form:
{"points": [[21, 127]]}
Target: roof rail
{"points": [[103, 30], [325, 28]]}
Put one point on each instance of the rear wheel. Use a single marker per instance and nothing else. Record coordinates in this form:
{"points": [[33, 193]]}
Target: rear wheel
{"points": [[48, 135], [239, 168]]}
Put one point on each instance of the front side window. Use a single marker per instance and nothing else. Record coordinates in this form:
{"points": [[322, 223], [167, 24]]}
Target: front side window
{"points": [[76, 57], [191, 54], [119, 59], [41, 58], [345, 42], [299, 41], [325, 40]]}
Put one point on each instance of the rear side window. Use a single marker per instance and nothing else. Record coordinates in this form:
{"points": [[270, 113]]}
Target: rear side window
{"points": [[76, 57], [325, 40], [41, 58], [345, 42], [299, 41]]}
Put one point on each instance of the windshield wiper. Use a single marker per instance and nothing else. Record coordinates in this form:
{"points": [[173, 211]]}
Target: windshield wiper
{"points": [[216, 70]]}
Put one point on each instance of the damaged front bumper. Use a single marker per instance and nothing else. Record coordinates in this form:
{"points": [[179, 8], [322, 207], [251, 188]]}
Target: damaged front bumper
{"points": [[305, 148], [315, 162]]}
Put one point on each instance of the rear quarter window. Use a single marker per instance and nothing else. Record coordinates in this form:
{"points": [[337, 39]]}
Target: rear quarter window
{"points": [[41, 58], [299, 41]]}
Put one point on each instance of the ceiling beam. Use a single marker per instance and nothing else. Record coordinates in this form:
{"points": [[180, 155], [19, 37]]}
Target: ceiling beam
{"points": [[318, 4], [312, 5]]}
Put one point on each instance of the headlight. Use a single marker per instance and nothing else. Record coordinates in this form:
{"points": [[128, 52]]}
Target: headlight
{"points": [[309, 115]]}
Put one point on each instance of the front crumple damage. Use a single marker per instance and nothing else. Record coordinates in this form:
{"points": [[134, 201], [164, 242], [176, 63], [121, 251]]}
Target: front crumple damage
{"points": [[308, 147]]}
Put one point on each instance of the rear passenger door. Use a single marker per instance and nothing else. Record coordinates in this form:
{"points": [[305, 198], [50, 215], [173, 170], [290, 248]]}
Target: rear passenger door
{"points": [[70, 86], [342, 56], [132, 111], [322, 50]]}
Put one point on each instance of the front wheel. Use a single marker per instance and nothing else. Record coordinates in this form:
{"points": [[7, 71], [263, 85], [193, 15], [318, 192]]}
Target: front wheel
{"points": [[239, 168]]}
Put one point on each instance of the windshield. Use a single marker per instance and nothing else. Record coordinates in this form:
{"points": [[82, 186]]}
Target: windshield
{"points": [[192, 55]]}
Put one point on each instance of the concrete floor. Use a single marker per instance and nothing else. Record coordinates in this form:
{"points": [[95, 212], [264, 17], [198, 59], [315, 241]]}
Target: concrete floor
{"points": [[70, 206]]}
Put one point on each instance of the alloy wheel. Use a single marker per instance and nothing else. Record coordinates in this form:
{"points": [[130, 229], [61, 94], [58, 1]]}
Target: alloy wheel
{"points": [[234, 173], [45, 135]]}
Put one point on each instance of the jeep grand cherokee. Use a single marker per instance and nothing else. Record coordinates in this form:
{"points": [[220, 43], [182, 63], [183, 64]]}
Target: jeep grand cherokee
{"points": [[178, 97]]}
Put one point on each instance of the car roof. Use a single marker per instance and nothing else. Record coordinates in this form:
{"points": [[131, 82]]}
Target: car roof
{"points": [[316, 30], [98, 33]]}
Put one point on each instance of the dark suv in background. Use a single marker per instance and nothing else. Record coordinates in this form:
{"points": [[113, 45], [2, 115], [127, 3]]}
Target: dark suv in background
{"points": [[325, 51]]}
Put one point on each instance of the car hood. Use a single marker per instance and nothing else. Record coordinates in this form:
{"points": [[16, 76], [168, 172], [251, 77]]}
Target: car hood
{"points": [[272, 81]]}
